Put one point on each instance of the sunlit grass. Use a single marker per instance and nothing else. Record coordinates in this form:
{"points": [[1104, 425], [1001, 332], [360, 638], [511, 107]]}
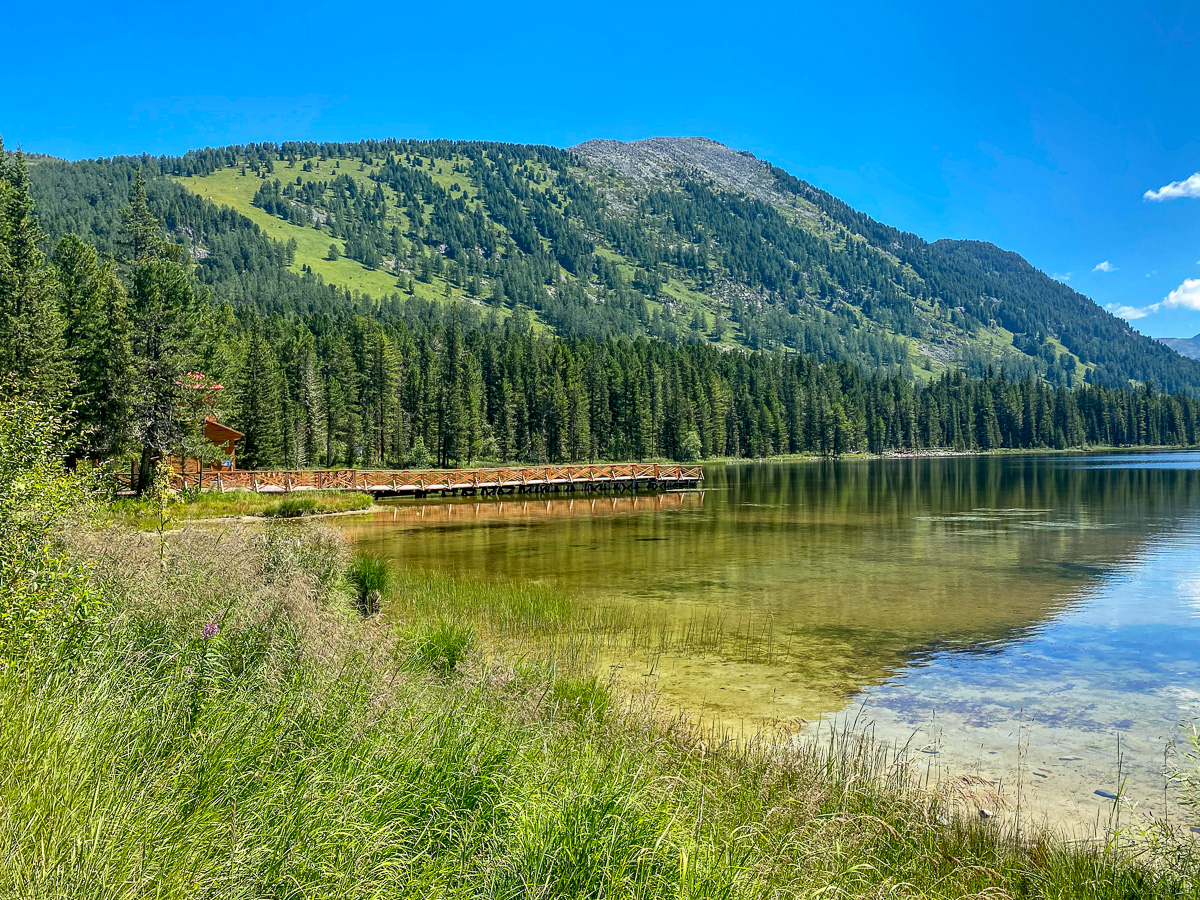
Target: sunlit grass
{"points": [[439, 646], [144, 513], [369, 577], [235, 729]]}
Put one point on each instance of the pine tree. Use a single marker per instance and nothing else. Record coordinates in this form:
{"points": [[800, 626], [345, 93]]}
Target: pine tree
{"points": [[31, 326], [164, 308], [381, 388], [338, 381], [258, 404], [142, 238], [310, 434], [96, 307], [452, 403]]}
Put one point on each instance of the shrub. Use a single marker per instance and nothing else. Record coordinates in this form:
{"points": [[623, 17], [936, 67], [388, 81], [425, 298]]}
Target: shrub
{"points": [[292, 507], [690, 447], [370, 577], [46, 600], [440, 647]]}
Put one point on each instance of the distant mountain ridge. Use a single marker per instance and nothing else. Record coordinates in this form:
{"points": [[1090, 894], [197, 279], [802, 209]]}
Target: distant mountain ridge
{"points": [[682, 239], [1189, 347]]}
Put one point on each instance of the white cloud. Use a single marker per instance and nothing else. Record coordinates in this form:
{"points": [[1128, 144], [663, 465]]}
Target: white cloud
{"points": [[1189, 187], [1186, 296], [1130, 312], [1061, 276], [1105, 266]]}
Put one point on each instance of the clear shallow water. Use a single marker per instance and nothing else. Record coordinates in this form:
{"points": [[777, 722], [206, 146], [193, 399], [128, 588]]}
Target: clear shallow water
{"points": [[999, 613]]}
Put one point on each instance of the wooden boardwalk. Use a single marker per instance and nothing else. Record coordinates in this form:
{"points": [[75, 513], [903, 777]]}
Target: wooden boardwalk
{"points": [[456, 482]]}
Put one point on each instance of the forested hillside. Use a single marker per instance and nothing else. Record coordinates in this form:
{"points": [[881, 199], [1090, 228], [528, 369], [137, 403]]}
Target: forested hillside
{"points": [[678, 239], [143, 337]]}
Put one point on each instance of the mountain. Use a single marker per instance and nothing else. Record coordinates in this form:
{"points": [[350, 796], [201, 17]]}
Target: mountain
{"points": [[681, 239], [1189, 347]]}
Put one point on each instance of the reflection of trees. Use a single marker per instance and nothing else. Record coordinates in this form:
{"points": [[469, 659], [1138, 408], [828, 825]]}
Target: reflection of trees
{"points": [[549, 508], [848, 570], [920, 555], [904, 488]]}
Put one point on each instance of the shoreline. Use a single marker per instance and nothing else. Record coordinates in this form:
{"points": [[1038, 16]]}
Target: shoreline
{"points": [[424, 718], [947, 454]]}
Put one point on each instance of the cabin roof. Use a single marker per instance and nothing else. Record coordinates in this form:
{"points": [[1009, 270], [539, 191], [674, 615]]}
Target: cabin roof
{"points": [[218, 433]]}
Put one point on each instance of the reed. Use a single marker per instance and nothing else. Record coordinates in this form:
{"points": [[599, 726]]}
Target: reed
{"points": [[234, 729], [370, 577]]}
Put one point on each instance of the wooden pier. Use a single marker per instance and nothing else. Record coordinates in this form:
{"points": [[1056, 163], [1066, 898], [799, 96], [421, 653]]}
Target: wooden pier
{"points": [[419, 483]]}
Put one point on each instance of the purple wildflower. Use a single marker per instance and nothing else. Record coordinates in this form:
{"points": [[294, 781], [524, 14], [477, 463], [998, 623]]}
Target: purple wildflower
{"points": [[210, 630]]}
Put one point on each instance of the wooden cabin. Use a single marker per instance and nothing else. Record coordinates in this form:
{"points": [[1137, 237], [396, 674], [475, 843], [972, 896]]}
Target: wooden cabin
{"points": [[220, 436], [226, 438]]}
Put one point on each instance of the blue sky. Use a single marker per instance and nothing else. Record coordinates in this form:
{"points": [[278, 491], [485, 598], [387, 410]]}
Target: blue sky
{"points": [[1037, 126]]}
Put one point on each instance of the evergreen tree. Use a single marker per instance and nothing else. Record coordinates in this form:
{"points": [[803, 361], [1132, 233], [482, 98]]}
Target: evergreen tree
{"points": [[142, 237], [96, 306], [31, 326], [258, 405], [311, 424], [163, 308]]}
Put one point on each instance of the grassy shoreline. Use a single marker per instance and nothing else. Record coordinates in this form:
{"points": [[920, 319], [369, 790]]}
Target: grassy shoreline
{"points": [[151, 513], [232, 727]]}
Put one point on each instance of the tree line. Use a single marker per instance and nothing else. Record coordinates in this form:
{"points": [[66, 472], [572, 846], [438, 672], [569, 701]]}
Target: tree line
{"points": [[134, 344]]}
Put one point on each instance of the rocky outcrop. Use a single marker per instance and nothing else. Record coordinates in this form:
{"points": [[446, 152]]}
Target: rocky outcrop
{"points": [[658, 158]]}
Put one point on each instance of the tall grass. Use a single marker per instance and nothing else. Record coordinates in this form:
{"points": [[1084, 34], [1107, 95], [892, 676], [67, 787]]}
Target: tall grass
{"points": [[439, 647], [236, 730], [292, 506], [370, 577], [510, 609], [140, 513]]}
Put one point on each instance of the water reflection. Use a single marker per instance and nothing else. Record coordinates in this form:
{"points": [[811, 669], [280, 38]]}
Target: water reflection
{"points": [[433, 514], [1087, 704], [855, 568], [958, 586]]}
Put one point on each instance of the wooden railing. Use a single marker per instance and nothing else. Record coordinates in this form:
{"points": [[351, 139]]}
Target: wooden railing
{"points": [[424, 481]]}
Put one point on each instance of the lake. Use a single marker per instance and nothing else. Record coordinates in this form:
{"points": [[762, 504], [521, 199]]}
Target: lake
{"points": [[1012, 617]]}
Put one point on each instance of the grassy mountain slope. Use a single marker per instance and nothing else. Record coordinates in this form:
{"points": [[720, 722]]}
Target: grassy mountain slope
{"points": [[227, 188], [680, 239]]}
